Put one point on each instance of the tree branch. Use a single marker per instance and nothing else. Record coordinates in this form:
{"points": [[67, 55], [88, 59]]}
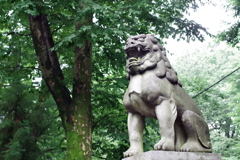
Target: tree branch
{"points": [[19, 67], [55, 30], [49, 44], [20, 34], [48, 62], [99, 157]]}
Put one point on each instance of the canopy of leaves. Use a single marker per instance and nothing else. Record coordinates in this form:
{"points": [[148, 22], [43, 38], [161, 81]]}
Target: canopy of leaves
{"points": [[199, 69], [27, 125], [113, 22], [232, 34]]}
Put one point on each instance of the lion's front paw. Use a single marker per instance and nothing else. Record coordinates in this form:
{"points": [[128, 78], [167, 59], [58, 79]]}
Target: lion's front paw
{"points": [[131, 152], [165, 144]]}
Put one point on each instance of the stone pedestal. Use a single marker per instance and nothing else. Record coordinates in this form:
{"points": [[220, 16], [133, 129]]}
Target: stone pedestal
{"points": [[171, 155]]}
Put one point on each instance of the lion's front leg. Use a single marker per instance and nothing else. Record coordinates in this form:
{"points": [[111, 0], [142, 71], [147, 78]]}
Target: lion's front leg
{"points": [[166, 114], [135, 132]]}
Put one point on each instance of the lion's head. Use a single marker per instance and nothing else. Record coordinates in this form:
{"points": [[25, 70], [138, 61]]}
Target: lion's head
{"points": [[143, 52]]}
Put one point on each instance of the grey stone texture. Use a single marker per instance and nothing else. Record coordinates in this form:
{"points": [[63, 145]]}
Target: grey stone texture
{"points": [[155, 91], [171, 155]]}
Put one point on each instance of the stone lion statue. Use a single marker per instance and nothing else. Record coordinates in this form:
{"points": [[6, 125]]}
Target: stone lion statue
{"points": [[155, 91]]}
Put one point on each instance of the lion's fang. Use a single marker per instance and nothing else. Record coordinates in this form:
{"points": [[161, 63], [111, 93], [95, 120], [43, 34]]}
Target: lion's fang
{"points": [[138, 49]]}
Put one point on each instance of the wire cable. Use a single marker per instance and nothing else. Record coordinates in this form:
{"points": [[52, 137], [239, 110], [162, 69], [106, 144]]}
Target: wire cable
{"points": [[215, 83]]}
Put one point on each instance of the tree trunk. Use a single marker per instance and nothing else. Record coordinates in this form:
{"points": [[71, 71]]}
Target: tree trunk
{"points": [[75, 112], [79, 132], [52, 74]]}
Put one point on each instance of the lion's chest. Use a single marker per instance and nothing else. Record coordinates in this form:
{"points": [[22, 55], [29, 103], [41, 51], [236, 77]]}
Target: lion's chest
{"points": [[135, 84], [148, 87]]}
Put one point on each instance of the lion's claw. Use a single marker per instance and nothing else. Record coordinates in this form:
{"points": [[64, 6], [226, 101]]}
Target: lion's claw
{"points": [[131, 152], [165, 144]]}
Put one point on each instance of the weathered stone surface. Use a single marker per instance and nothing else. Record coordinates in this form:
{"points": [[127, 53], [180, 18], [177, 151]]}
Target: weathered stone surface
{"points": [[171, 155], [155, 91]]}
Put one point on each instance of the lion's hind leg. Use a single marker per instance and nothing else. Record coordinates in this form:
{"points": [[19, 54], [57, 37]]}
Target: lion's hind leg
{"points": [[166, 114], [180, 134], [198, 138]]}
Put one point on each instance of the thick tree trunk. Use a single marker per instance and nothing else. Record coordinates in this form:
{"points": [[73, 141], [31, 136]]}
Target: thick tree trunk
{"points": [[79, 132], [75, 112], [48, 62]]}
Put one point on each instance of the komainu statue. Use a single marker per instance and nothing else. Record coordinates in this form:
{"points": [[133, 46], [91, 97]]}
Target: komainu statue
{"points": [[155, 91]]}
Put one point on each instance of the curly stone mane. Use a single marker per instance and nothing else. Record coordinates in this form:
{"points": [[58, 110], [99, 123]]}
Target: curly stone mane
{"points": [[154, 91], [144, 53]]}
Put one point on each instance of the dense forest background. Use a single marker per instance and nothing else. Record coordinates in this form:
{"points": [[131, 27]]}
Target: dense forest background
{"points": [[62, 76]]}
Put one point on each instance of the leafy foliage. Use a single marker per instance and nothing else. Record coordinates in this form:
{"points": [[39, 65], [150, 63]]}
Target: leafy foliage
{"points": [[112, 22], [24, 122], [232, 34], [203, 67]]}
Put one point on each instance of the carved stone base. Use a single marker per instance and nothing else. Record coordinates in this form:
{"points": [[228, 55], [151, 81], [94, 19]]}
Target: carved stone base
{"points": [[171, 155]]}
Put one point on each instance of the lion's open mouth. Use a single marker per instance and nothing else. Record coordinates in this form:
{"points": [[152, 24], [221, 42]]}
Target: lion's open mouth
{"points": [[135, 55]]}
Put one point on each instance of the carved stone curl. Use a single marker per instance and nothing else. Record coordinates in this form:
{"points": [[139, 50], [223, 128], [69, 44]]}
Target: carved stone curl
{"points": [[155, 91]]}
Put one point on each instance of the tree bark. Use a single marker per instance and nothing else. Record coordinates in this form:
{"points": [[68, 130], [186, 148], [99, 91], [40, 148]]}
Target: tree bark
{"points": [[75, 112], [48, 62], [79, 134]]}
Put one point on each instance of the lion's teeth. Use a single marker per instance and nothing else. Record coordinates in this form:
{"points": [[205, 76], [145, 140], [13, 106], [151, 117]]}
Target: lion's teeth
{"points": [[138, 49]]}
